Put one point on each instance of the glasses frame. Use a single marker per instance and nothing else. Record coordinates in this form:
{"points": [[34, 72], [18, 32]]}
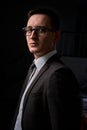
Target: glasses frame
{"points": [[38, 30]]}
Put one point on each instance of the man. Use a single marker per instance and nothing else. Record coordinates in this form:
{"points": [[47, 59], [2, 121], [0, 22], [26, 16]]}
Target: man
{"points": [[50, 98]]}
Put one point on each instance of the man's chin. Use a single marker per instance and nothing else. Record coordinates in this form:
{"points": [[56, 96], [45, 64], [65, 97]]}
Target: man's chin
{"points": [[33, 51]]}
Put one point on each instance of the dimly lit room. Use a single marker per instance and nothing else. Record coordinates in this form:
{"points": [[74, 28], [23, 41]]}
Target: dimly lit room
{"points": [[72, 47]]}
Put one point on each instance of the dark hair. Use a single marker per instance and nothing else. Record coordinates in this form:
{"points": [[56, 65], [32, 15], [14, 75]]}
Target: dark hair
{"points": [[54, 17]]}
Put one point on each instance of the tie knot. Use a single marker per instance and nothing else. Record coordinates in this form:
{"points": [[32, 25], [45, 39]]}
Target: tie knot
{"points": [[32, 70], [32, 66]]}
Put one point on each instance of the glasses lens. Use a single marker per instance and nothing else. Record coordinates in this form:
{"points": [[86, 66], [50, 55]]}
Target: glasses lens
{"points": [[38, 30]]}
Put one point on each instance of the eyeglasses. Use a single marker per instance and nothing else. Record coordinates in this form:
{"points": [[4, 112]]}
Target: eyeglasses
{"points": [[38, 30]]}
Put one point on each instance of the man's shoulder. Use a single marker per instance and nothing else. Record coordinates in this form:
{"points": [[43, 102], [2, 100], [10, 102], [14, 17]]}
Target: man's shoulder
{"points": [[55, 64]]}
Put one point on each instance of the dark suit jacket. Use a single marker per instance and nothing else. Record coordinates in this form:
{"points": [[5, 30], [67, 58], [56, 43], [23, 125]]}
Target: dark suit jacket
{"points": [[52, 101]]}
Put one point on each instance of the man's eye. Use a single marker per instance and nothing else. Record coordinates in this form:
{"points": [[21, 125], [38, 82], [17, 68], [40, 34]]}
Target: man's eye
{"points": [[29, 30], [42, 30]]}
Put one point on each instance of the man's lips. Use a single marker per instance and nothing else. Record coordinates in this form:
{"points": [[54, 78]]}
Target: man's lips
{"points": [[33, 44]]}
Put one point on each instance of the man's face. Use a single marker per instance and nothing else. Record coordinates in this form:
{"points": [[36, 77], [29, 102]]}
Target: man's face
{"points": [[40, 43]]}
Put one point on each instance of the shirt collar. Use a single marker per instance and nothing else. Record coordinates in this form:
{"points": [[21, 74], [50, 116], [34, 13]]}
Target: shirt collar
{"points": [[43, 59]]}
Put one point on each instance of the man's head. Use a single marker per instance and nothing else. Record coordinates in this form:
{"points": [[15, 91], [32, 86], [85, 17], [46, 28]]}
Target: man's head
{"points": [[42, 31]]}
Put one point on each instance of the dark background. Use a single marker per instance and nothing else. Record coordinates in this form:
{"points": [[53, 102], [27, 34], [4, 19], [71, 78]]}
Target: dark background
{"points": [[16, 59]]}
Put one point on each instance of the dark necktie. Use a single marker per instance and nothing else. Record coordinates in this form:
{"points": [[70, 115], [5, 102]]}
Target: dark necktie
{"points": [[32, 70]]}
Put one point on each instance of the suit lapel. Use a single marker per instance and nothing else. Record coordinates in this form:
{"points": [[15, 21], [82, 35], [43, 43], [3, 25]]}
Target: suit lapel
{"points": [[35, 80]]}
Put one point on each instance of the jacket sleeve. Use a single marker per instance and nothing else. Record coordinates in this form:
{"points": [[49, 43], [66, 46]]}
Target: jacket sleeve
{"points": [[64, 100]]}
